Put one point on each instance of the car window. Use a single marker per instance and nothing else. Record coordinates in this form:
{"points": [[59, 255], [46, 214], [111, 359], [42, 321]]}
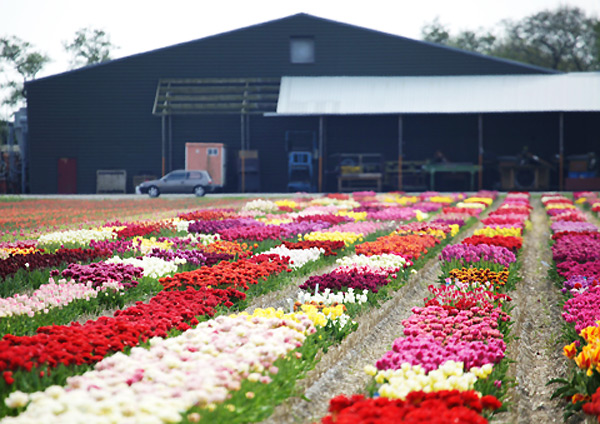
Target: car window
{"points": [[196, 175], [175, 176]]}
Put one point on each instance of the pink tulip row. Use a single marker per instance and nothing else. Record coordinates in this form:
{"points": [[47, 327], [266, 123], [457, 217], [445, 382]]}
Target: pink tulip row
{"points": [[361, 227], [392, 214], [454, 325], [459, 322], [477, 324], [466, 254], [576, 247], [575, 252], [51, 295], [431, 353]]}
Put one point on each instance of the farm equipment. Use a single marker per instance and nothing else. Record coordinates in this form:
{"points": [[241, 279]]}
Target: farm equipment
{"points": [[301, 147]]}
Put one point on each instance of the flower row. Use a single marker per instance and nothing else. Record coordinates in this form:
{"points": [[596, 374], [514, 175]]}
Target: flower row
{"points": [[575, 254], [426, 362], [456, 339], [38, 260], [197, 369]]}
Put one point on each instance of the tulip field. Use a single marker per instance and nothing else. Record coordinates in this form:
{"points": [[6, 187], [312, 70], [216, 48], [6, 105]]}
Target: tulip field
{"points": [[337, 308]]}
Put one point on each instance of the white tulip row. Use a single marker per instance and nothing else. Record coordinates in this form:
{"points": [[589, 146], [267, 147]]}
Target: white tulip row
{"points": [[298, 257], [153, 267], [80, 237]]}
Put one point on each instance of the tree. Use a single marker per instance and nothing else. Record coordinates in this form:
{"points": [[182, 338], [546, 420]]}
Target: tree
{"points": [[90, 46], [564, 39], [436, 32], [3, 132], [484, 43], [597, 41], [19, 56]]}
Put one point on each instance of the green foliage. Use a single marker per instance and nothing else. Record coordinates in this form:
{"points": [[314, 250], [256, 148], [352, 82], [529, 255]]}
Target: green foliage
{"points": [[264, 245], [10, 199], [436, 32], [3, 132], [18, 54], [24, 280], [579, 383], [89, 46], [564, 39], [490, 386], [20, 57], [480, 42]]}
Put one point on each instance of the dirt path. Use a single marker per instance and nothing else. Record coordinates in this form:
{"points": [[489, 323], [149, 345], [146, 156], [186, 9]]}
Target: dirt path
{"points": [[341, 369]]}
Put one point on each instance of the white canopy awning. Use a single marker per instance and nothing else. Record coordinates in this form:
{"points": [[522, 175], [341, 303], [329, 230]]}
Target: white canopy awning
{"points": [[572, 92]]}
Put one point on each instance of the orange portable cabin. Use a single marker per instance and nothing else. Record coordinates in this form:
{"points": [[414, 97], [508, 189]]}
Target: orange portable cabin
{"points": [[209, 157]]}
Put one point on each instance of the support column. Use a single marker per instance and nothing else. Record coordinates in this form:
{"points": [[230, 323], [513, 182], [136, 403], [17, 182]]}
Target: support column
{"points": [[243, 152], [12, 161], [164, 130], [561, 150], [247, 132], [480, 150], [170, 143], [321, 136], [400, 151]]}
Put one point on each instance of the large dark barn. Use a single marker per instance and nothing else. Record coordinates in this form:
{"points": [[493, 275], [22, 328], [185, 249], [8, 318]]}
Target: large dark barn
{"points": [[137, 113]]}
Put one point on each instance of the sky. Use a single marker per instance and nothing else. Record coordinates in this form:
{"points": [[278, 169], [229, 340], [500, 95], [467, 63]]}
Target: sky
{"points": [[136, 26]]}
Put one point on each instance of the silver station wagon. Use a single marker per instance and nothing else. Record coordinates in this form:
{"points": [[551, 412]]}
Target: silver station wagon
{"points": [[179, 181]]}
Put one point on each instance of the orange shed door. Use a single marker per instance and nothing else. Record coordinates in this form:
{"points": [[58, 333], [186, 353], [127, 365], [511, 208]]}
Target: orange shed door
{"points": [[209, 157]]}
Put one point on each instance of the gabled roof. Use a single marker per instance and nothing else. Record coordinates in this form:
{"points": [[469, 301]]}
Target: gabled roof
{"points": [[298, 18], [572, 92]]}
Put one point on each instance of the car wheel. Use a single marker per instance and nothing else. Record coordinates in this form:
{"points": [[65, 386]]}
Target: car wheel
{"points": [[199, 191], [153, 191]]}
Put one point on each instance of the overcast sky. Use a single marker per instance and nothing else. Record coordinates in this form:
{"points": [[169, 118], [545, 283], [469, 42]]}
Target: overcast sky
{"points": [[137, 26]]}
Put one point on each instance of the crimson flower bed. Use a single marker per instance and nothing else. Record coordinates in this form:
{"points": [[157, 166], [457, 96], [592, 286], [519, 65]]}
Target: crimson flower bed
{"points": [[438, 407], [78, 344], [512, 243], [328, 246], [40, 260], [237, 274]]}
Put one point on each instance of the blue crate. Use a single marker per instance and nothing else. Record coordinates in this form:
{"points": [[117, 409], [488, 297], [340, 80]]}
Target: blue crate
{"points": [[589, 174]]}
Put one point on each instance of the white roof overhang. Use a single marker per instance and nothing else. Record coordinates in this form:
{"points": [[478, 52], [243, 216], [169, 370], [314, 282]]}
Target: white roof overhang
{"points": [[343, 95]]}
